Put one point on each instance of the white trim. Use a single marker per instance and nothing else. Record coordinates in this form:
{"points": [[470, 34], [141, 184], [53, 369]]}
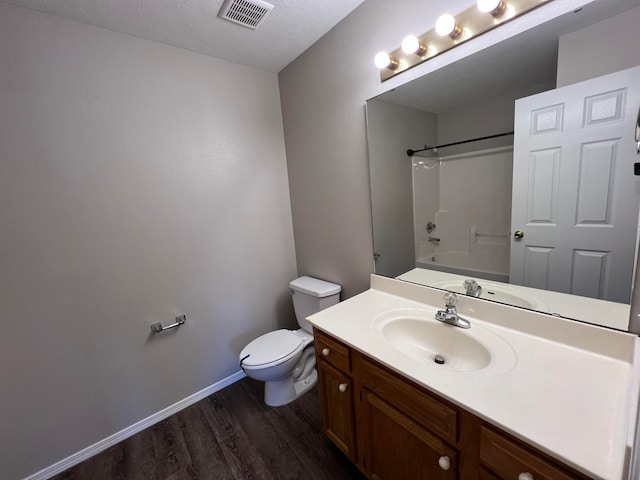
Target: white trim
{"points": [[131, 430]]}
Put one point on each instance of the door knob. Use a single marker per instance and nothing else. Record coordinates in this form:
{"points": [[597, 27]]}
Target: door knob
{"points": [[342, 387], [518, 234]]}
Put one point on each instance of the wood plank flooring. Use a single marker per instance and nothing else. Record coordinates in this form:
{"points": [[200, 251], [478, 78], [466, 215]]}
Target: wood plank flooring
{"points": [[230, 435]]}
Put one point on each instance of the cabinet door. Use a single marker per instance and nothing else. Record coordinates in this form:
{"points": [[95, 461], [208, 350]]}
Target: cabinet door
{"points": [[336, 402], [401, 449]]}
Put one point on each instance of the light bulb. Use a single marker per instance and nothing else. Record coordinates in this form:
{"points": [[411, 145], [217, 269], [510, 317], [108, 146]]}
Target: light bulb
{"points": [[411, 44], [494, 7], [446, 25], [384, 60]]}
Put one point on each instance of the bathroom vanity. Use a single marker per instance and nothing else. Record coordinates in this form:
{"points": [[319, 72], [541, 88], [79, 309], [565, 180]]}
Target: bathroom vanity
{"points": [[520, 395]]}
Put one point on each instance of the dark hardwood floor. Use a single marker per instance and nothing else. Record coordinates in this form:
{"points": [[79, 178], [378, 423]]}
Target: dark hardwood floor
{"points": [[229, 435]]}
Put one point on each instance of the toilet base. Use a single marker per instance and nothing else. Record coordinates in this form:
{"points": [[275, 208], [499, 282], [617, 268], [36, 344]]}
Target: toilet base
{"points": [[281, 392]]}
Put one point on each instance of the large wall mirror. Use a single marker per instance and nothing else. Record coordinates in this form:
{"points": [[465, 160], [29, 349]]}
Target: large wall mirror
{"points": [[543, 214]]}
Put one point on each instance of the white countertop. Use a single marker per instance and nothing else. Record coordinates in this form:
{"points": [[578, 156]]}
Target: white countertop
{"points": [[572, 391]]}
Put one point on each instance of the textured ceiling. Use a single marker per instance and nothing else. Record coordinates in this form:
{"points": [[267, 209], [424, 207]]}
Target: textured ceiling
{"points": [[291, 27]]}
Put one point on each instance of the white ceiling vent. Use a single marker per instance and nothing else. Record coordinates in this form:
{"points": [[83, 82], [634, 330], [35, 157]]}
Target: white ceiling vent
{"points": [[248, 13]]}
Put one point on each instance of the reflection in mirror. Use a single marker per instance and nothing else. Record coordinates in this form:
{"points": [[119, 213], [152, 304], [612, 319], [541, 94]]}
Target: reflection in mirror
{"points": [[546, 218]]}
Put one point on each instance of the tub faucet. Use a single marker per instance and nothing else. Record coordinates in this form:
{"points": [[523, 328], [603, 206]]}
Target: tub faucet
{"points": [[472, 288], [434, 239], [449, 314]]}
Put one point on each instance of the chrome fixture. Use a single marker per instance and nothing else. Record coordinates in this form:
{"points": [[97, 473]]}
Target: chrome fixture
{"points": [[434, 239], [450, 31], [449, 314], [472, 288], [430, 227], [157, 327]]}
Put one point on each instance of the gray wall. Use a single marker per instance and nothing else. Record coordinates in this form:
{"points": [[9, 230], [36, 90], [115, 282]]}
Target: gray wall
{"points": [[487, 116], [137, 181], [392, 129], [323, 96], [603, 48]]}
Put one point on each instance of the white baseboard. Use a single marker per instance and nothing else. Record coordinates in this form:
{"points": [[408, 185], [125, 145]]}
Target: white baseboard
{"points": [[98, 447]]}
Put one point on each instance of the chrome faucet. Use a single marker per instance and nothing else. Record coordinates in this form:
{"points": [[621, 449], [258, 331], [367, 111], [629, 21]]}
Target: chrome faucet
{"points": [[472, 288], [449, 314], [434, 239]]}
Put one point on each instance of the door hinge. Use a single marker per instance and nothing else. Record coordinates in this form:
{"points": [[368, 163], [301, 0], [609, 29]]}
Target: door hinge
{"points": [[360, 395]]}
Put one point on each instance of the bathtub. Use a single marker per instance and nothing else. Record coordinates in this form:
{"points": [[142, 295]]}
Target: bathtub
{"points": [[461, 263]]}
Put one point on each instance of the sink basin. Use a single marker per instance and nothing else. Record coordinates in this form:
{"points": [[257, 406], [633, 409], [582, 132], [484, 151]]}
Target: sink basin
{"points": [[415, 333], [497, 293]]}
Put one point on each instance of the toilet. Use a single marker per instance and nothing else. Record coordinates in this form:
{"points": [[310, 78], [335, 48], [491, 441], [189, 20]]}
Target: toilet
{"points": [[285, 359]]}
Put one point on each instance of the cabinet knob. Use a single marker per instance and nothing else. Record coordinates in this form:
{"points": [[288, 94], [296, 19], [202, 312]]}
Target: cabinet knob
{"points": [[445, 463], [343, 388], [326, 352], [525, 476]]}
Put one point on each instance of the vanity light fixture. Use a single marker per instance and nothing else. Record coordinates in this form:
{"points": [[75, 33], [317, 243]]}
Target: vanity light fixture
{"points": [[446, 26], [495, 8], [411, 45], [384, 60], [416, 49]]}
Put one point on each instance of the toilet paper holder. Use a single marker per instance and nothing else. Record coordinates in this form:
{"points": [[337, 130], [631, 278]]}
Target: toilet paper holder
{"points": [[157, 326]]}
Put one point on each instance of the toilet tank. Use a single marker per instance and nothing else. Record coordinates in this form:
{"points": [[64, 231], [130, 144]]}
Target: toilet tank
{"points": [[311, 295]]}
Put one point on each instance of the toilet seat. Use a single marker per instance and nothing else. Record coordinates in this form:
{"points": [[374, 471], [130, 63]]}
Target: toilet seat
{"points": [[270, 349]]}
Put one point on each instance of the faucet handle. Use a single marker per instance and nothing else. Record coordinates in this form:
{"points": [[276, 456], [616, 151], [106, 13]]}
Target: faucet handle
{"points": [[450, 299], [470, 285]]}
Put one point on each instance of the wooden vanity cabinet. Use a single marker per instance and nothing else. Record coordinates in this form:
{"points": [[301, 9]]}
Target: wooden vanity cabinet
{"points": [[395, 429], [400, 448], [335, 388]]}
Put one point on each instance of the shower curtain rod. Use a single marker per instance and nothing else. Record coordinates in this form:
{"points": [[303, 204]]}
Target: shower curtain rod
{"points": [[436, 147]]}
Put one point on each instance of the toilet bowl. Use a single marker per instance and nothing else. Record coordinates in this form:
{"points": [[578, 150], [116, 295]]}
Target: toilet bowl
{"points": [[284, 359]]}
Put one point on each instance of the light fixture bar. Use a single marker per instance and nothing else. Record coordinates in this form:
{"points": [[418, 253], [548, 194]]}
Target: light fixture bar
{"points": [[472, 23]]}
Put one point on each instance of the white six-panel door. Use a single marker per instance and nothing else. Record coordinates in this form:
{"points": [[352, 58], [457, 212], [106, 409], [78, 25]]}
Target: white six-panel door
{"points": [[575, 197]]}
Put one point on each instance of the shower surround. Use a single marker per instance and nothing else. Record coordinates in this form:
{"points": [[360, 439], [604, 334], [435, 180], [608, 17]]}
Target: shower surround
{"points": [[468, 197]]}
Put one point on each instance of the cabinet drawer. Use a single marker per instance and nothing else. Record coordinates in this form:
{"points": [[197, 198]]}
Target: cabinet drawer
{"points": [[509, 459], [416, 403], [332, 351]]}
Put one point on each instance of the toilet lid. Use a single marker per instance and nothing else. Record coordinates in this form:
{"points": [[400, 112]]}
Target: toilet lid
{"points": [[270, 347]]}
